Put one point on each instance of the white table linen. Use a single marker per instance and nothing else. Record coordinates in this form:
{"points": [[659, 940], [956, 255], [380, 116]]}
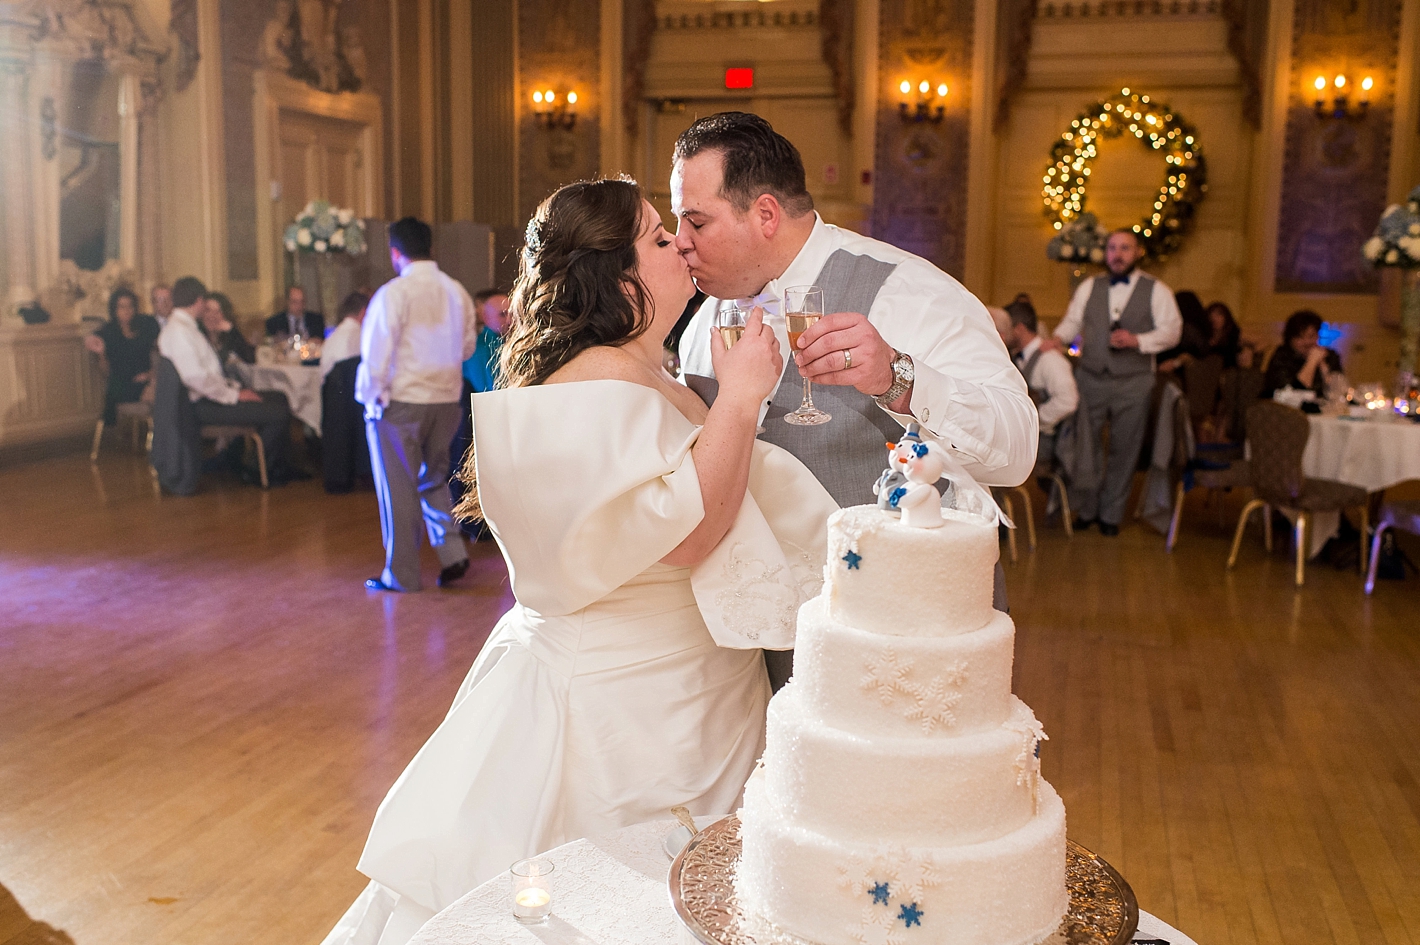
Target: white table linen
{"points": [[299, 382], [1370, 454], [608, 891]]}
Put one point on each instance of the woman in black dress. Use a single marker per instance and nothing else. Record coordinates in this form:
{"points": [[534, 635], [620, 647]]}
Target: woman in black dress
{"points": [[126, 343], [1301, 363]]}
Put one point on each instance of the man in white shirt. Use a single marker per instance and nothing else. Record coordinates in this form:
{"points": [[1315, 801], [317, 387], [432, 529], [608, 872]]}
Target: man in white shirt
{"points": [[217, 399], [419, 328], [1048, 374], [344, 340], [1124, 318], [903, 341]]}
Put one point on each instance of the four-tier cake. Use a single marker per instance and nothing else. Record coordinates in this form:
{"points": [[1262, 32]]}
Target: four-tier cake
{"points": [[899, 799]]}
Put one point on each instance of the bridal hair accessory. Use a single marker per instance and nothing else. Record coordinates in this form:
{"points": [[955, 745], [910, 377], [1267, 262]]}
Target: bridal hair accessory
{"points": [[532, 236]]}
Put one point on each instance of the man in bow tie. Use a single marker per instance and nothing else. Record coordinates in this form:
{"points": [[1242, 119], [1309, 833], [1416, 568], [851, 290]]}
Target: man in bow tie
{"points": [[1123, 319]]}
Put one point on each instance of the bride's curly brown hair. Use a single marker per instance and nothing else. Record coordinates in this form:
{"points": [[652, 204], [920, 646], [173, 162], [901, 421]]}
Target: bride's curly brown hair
{"points": [[577, 288]]}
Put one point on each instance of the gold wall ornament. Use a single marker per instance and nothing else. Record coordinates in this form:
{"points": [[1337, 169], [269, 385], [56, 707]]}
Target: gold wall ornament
{"points": [[1164, 225]]}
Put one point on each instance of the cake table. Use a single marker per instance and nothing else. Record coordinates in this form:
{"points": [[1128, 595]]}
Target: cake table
{"points": [[609, 891]]}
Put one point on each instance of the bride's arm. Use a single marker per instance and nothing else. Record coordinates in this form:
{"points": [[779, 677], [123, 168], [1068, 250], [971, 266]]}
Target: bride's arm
{"points": [[748, 373]]}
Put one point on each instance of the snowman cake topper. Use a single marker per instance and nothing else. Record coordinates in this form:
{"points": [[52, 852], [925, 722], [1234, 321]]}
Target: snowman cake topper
{"points": [[909, 484]]}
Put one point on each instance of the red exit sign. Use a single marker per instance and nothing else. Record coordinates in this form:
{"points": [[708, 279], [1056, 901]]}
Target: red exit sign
{"points": [[739, 77]]}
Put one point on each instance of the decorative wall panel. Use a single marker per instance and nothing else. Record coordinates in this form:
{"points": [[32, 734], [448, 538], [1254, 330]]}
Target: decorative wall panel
{"points": [[919, 181], [1335, 170]]}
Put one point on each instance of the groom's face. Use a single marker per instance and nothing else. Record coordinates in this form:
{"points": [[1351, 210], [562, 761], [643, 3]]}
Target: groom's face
{"points": [[723, 247]]}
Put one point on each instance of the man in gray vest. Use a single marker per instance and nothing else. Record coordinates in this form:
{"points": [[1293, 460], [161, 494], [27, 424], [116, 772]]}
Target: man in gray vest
{"points": [[1123, 318], [903, 341]]}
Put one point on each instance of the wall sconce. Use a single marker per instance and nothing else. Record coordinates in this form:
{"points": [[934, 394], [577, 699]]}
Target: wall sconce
{"points": [[928, 107], [1341, 106], [552, 111]]}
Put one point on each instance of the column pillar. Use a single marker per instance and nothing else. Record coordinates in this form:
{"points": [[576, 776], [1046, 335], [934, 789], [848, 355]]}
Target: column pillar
{"points": [[16, 186]]}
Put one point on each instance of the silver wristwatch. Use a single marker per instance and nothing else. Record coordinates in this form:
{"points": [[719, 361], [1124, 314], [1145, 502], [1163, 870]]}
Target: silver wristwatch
{"points": [[902, 375]]}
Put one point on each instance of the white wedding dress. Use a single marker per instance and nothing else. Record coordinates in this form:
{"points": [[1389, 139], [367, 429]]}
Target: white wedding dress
{"points": [[617, 686]]}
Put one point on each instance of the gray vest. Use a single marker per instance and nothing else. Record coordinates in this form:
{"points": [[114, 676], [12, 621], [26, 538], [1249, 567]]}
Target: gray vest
{"points": [[1138, 316], [848, 453]]}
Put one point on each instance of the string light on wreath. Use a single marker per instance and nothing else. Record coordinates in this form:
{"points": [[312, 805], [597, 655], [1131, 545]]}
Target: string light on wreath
{"points": [[1163, 226]]}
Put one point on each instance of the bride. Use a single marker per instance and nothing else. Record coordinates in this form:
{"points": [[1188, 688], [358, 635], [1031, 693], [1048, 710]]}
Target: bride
{"points": [[654, 548]]}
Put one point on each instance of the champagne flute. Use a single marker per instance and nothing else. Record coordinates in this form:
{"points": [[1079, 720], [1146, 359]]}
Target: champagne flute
{"points": [[730, 320], [803, 306]]}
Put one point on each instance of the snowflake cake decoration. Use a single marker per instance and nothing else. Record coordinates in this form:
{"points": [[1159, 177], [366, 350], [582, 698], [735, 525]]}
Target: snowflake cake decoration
{"points": [[932, 703], [1028, 761], [893, 878]]}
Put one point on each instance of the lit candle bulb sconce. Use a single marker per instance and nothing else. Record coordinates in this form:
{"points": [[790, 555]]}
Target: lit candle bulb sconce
{"points": [[924, 102], [554, 110], [1333, 97]]}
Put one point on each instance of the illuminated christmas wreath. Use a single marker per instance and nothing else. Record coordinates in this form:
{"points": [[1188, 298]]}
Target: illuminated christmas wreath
{"points": [[1186, 180]]}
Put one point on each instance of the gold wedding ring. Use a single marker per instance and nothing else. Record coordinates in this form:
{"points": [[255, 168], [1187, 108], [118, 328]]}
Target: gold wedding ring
{"points": [[847, 359]]}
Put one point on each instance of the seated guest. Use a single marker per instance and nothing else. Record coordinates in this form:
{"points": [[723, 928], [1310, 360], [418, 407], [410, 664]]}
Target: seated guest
{"points": [[344, 341], [1193, 340], [295, 320], [218, 323], [162, 298], [1049, 377], [1225, 338], [491, 309], [1300, 362], [125, 342], [215, 398]]}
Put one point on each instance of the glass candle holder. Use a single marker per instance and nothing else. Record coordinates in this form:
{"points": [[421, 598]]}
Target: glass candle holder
{"points": [[532, 890]]}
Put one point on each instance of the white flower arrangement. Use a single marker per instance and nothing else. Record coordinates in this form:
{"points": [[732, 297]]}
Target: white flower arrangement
{"points": [[321, 228], [1396, 241], [1080, 241]]}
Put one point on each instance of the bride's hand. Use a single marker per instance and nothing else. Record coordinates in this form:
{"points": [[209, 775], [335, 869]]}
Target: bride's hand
{"points": [[749, 372]]}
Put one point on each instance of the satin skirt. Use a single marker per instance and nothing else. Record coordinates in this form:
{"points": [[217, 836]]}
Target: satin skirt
{"points": [[566, 727]]}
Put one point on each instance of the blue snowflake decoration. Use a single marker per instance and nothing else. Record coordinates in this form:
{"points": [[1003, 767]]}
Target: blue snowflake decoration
{"points": [[910, 915], [879, 893], [919, 450], [852, 558], [1037, 748], [895, 496]]}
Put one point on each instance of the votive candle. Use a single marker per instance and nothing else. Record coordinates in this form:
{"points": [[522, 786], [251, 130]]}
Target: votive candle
{"points": [[532, 890]]}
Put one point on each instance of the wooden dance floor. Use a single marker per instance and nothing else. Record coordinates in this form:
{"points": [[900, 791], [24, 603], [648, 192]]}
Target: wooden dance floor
{"points": [[201, 707]]}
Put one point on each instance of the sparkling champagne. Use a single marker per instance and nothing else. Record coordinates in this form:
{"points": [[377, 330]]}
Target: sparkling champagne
{"points": [[731, 334], [798, 323]]}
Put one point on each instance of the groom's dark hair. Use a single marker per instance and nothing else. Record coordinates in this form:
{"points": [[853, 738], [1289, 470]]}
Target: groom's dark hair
{"points": [[758, 160]]}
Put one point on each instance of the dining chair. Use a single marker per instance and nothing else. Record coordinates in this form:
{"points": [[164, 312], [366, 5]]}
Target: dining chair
{"points": [[1010, 510], [1402, 515], [139, 416], [1277, 438], [1191, 471]]}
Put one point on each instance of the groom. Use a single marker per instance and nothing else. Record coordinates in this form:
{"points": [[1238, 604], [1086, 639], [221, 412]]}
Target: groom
{"points": [[902, 341]]}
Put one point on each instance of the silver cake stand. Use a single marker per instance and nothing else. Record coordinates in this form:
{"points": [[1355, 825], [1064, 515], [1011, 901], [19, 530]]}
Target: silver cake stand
{"points": [[1103, 910]]}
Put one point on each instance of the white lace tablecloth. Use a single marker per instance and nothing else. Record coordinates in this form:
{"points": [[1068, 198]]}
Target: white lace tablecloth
{"points": [[299, 382], [610, 891], [1370, 454]]}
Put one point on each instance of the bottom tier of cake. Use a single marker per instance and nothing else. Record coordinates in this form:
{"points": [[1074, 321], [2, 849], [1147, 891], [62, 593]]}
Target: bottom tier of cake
{"points": [[1008, 891]]}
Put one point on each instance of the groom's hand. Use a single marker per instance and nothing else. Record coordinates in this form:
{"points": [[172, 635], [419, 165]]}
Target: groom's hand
{"points": [[867, 365]]}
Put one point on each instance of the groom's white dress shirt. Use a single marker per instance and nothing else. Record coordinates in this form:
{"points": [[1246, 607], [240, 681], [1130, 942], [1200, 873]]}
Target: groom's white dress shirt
{"points": [[184, 344], [966, 391]]}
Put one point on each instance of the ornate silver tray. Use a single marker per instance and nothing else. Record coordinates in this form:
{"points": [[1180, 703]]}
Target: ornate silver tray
{"points": [[702, 886]]}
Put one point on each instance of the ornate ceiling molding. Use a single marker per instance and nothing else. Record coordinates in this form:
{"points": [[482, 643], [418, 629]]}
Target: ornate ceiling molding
{"points": [[1117, 9]]}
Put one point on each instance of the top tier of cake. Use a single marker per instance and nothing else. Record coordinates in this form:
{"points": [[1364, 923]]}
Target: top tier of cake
{"points": [[910, 582]]}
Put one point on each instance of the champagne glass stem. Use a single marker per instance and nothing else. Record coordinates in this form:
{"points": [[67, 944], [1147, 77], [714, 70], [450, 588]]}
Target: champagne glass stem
{"points": [[808, 403]]}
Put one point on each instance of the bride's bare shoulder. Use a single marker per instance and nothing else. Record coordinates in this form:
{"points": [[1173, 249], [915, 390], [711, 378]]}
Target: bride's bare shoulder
{"points": [[600, 364]]}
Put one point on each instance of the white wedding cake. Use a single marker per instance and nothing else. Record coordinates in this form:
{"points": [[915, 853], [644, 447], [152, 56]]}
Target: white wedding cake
{"points": [[899, 798]]}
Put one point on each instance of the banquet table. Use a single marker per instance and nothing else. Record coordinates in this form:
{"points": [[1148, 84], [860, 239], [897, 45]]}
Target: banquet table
{"points": [[1370, 454], [299, 382], [608, 891]]}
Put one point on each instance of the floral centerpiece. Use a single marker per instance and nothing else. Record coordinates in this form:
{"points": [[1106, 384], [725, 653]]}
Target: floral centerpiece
{"points": [[321, 228], [1396, 243], [1079, 241], [322, 231]]}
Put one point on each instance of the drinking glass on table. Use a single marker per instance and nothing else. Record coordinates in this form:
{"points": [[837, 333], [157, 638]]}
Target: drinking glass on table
{"points": [[803, 306]]}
